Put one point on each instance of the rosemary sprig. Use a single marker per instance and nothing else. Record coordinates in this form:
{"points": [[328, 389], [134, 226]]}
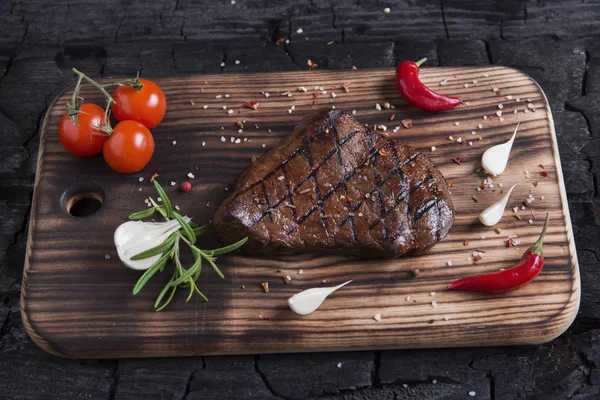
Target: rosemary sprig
{"points": [[170, 250]]}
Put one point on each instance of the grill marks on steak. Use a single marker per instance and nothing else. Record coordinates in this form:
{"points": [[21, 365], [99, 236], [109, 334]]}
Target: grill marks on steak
{"points": [[335, 186]]}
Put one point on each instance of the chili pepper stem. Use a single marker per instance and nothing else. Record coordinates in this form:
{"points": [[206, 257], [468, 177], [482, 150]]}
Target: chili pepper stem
{"points": [[537, 247], [421, 61]]}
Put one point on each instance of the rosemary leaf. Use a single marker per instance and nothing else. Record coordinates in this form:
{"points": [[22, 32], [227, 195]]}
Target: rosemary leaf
{"points": [[161, 248], [229, 248], [189, 232], [212, 263], [187, 274], [199, 269], [142, 214], [192, 285], [165, 289], [168, 300], [165, 199], [150, 273], [201, 230]]}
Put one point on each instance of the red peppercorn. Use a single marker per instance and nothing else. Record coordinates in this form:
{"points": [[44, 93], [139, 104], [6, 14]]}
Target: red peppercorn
{"points": [[186, 187]]}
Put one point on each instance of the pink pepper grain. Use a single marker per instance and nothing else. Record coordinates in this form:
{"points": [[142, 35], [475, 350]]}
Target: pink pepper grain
{"points": [[186, 187]]}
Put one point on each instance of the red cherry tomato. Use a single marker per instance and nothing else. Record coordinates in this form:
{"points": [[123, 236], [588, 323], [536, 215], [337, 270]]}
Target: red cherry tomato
{"points": [[130, 147], [146, 105], [78, 139]]}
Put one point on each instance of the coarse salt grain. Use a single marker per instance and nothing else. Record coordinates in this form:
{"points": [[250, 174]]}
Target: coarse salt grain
{"points": [[501, 119], [107, 257], [377, 317], [432, 148], [203, 144], [466, 85], [459, 140], [238, 140], [434, 304], [442, 83], [177, 207], [353, 112], [475, 81], [226, 95], [499, 113], [449, 263], [333, 95], [472, 393], [299, 30], [530, 105], [141, 179], [339, 365], [457, 123], [190, 175], [237, 62], [480, 126], [473, 132], [470, 143], [173, 183], [218, 96], [264, 145], [377, 107], [500, 106], [446, 318], [230, 111], [486, 75], [387, 10], [223, 138], [232, 139], [205, 107], [432, 294], [300, 271], [222, 64]]}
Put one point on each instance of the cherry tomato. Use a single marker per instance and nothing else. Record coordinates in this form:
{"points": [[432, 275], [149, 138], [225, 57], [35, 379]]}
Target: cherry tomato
{"points": [[130, 147], [146, 105], [78, 139]]}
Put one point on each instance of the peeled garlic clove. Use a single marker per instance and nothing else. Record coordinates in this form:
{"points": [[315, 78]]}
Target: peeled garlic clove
{"points": [[309, 300], [495, 159], [134, 237], [493, 214]]}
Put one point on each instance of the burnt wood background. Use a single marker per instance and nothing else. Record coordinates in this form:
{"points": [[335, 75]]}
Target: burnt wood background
{"points": [[556, 42]]}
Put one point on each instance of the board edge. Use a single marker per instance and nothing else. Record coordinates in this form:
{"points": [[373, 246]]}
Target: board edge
{"points": [[28, 323]]}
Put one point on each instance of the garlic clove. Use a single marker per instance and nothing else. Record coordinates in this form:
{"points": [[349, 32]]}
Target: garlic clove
{"points": [[495, 159], [134, 237], [493, 214], [309, 300]]}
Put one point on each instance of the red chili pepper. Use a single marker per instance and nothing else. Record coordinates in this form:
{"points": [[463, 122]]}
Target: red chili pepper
{"points": [[510, 279], [416, 93]]}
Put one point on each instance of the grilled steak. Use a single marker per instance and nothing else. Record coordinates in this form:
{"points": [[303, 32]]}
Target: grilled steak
{"points": [[335, 186]]}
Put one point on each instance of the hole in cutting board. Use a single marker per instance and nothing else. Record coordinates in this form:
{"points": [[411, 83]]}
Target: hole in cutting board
{"points": [[83, 201]]}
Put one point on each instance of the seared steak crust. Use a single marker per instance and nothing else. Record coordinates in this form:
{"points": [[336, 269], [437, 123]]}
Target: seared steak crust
{"points": [[335, 186]]}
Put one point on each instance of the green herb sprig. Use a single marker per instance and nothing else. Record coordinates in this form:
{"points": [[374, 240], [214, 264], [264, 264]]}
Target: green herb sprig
{"points": [[170, 250]]}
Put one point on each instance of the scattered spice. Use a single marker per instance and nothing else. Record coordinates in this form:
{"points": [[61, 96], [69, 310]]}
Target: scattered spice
{"points": [[279, 41], [192, 102], [407, 123], [311, 64], [240, 124], [265, 286], [392, 116], [253, 105], [154, 176], [544, 173], [466, 242], [377, 317], [186, 187], [475, 199], [415, 272], [346, 87], [457, 160], [243, 286], [287, 279], [384, 152]]}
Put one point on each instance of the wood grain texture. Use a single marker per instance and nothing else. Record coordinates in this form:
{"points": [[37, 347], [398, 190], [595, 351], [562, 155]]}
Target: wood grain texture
{"points": [[76, 303]]}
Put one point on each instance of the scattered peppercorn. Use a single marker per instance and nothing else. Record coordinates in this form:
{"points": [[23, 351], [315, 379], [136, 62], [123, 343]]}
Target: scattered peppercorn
{"points": [[186, 187]]}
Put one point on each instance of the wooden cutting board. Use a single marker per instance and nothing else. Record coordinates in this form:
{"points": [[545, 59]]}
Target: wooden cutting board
{"points": [[77, 302]]}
